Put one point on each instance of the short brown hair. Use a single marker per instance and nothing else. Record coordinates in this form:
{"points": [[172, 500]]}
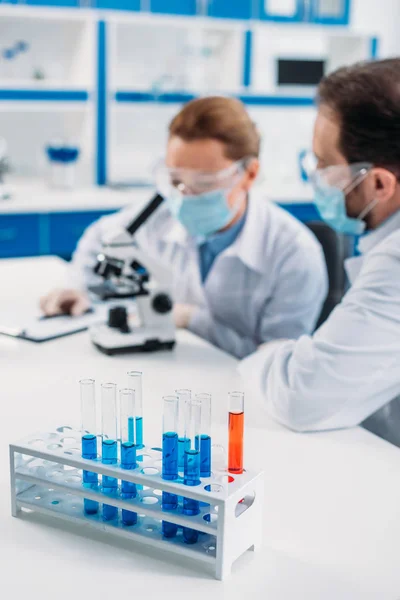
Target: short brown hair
{"points": [[218, 118], [366, 99]]}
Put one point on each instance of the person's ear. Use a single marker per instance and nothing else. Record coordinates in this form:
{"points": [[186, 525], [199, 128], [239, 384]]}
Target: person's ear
{"points": [[384, 184], [252, 170]]}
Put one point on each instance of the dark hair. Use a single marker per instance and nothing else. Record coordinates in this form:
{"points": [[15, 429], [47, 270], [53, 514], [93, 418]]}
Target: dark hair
{"points": [[218, 118], [366, 100]]}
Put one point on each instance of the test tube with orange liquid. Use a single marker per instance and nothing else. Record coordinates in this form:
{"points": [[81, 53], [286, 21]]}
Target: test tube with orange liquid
{"points": [[236, 432]]}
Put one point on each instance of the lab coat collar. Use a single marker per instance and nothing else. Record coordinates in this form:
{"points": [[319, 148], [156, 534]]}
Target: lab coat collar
{"points": [[372, 239], [248, 246]]}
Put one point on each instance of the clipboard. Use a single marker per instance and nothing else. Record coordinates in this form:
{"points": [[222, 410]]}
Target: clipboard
{"points": [[39, 329]]}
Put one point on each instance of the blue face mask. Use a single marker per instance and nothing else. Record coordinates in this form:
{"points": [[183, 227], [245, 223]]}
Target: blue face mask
{"points": [[204, 214], [331, 205]]}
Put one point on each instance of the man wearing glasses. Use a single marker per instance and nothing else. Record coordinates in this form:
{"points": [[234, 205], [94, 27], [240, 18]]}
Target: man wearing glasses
{"points": [[245, 271], [348, 371]]}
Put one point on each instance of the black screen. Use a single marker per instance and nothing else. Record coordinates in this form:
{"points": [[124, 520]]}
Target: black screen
{"points": [[300, 72]]}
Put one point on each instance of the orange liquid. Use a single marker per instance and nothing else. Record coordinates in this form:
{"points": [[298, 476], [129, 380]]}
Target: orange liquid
{"points": [[235, 452]]}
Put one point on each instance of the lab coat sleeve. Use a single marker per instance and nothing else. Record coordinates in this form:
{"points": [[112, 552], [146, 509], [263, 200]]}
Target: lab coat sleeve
{"points": [[291, 310], [203, 324], [80, 274], [348, 369], [301, 286]]}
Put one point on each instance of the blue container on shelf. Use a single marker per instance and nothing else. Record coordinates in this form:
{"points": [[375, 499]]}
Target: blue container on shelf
{"points": [[63, 159]]}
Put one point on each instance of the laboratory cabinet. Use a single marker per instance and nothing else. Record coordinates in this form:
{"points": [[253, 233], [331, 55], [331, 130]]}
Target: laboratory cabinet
{"points": [[174, 7], [232, 9], [66, 228], [19, 235], [322, 12], [133, 5]]}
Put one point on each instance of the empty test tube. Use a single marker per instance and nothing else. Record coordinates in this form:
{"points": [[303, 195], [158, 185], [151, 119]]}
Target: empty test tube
{"points": [[192, 465], [236, 432], [183, 397], [170, 459], [89, 439], [109, 450], [135, 383], [128, 449], [205, 434]]}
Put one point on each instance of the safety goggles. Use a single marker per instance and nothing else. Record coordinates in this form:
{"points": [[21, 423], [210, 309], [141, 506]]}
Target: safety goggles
{"points": [[342, 177], [194, 182]]}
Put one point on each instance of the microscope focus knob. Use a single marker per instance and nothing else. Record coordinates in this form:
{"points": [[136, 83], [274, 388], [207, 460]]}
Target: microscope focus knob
{"points": [[118, 318], [162, 304]]}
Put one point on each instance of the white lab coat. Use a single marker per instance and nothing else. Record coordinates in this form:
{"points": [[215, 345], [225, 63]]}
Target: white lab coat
{"points": [[350, 367], [270, 283]]}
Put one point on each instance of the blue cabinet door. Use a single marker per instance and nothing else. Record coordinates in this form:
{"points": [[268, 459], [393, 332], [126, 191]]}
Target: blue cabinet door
{"points": [[174, 7], [73, 3], [230, 9], [117, 4], [19, 235], [65, 230], [330, 12]]}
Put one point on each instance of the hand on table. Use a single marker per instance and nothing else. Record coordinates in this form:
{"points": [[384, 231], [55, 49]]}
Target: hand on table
{"points": [[65, 301], [182, 314]]}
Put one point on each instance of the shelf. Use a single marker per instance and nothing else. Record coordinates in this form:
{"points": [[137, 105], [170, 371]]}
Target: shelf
{"points": [[126, 96], [43, 95]]}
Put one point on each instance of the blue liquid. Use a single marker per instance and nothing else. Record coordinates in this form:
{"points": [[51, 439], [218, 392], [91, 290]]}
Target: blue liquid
{"points": [[190, 536], [90, 480], [131, 429], [170, 456], [205, 456], [191, 477], [139, 432], [110, 484], [192, 467], [169, 502], [183, 444], [128, 489]]}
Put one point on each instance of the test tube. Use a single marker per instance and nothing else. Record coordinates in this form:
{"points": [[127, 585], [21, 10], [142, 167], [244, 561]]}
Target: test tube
{"points": [[170, 459], [205, 434], [192, 465], [89, 439], [183, 397], [109, 450], [128, 449], [236, 430], [135, 383]]}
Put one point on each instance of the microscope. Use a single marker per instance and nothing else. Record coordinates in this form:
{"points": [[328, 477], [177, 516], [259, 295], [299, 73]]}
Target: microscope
{"points": [[129, 272]]}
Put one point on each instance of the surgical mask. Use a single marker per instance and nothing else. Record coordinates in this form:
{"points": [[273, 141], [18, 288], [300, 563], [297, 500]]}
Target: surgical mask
{"points": [[331, 205], [203, 214], [331, 185], [198, 199]]}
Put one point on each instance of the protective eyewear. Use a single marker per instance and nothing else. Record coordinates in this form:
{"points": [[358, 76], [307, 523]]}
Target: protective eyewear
{"points": [[194, 182], [342, 177]]}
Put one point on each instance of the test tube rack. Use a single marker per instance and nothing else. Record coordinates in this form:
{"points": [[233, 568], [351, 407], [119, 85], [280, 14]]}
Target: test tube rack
{"points": [[46, 477]]}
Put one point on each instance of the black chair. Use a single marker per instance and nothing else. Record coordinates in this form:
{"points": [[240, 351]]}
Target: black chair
{"points": [[336, 247]]}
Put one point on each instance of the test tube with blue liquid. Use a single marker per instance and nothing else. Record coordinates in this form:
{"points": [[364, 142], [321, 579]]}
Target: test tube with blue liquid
{"points": [[135, 383], [170, 459], [205, 434], [89, 440], [192, 465], [183, 398], [109, 449], [128, 449]]}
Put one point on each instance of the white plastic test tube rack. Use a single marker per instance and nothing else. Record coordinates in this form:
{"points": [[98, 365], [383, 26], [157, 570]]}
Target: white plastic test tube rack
{"points": [[46, 477]]}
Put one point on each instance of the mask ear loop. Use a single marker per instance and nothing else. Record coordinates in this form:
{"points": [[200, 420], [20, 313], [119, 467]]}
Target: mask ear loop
{"points": [[360, 177]]}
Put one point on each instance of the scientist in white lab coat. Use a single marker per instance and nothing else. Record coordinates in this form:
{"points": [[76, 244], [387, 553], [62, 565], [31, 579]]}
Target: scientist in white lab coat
{"points": [[245, 271], [348, 371]]}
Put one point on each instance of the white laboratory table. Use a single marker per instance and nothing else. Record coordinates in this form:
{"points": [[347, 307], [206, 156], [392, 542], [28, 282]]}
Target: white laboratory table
{"points": [[331, 528]]}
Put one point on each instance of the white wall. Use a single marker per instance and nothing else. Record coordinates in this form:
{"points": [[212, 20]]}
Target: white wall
{"points": [[381, 18]]}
